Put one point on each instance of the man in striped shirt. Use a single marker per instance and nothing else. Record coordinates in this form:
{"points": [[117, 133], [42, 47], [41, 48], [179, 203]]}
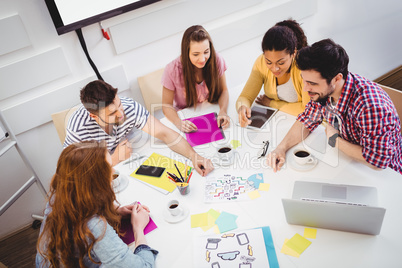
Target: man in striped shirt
{"points": [[106, 116], [362, 120]]}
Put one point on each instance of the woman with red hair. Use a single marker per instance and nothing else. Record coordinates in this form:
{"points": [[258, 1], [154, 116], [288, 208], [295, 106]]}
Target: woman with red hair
{"points": [[81, 222]]}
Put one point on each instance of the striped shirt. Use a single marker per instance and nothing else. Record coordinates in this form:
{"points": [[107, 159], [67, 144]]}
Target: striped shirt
{"points": [[81, 127], [367, 117]]}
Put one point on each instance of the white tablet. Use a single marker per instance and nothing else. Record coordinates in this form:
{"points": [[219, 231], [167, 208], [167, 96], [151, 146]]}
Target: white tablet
{"points": [[260, 116]]}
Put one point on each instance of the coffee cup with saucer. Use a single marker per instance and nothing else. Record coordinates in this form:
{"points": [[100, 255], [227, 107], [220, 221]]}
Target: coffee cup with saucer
{"points": [[119, 182], [302, 160], [226, 155], [175, 211]]}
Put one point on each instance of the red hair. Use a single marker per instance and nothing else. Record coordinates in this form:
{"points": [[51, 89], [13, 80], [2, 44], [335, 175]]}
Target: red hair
{"points": [[80, 189]]}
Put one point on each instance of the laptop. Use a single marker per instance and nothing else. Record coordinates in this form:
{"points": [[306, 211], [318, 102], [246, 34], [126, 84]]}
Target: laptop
{"points": [[346, 208]]}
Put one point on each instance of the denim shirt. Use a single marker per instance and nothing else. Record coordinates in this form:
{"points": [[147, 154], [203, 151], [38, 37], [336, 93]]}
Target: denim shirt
{"points": [[111, 251]]}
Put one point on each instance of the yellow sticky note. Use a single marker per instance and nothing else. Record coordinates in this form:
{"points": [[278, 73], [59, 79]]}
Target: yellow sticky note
{"points": [[254, 194], [216, 229], [264, 187], [298, 243], [288, 251], [211, 218], [198, 220], [310, 233], [235, 143]]}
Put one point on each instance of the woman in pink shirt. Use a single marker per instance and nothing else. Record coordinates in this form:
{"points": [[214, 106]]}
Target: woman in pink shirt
{"points": [[196, 76]]}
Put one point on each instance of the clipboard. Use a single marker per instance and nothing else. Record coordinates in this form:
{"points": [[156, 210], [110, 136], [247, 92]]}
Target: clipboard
{"points": [[208, 130]]}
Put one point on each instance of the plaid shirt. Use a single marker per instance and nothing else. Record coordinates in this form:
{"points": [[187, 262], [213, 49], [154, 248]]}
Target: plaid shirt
{"points": [[367, 117]]}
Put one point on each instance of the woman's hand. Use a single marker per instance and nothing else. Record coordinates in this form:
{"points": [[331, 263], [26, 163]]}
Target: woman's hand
{"points": [[139, 217], [244, 115], [223, 120], [187, 126], [263, 100]]}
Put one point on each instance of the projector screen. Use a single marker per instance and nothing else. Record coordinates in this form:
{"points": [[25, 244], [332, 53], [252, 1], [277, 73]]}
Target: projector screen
{"points": [[69, 15]]}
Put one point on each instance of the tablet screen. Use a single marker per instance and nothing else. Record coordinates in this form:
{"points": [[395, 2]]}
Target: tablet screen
{"points": [[260, 115]]}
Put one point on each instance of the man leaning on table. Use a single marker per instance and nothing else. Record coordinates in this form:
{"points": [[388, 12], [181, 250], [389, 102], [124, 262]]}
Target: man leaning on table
{"points": [[362, 120], [106, 116]]}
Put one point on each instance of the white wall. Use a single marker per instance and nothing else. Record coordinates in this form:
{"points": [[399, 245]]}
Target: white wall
{"points": [[368, 29]]}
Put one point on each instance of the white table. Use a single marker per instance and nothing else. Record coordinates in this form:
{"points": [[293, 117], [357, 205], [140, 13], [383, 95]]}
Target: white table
{"points": [[330, 249]]}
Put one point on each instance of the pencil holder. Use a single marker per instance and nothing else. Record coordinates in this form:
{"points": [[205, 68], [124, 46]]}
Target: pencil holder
{"points": [[184, 188]]}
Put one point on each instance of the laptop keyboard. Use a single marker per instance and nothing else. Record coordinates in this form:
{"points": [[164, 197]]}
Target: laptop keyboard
{"points": [[333, 201]]}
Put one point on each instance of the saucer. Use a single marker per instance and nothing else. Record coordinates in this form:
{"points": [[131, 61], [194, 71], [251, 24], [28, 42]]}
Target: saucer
{"points": [[121, 184], [174, 219], [299, 167]]}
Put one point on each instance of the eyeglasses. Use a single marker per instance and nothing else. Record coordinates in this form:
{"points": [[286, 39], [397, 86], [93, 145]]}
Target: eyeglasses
{"points": [[264, 149]]}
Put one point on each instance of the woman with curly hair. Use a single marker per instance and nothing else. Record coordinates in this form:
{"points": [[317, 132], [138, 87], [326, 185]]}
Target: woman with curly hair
{"points": [[82, 220], [277, 72]]}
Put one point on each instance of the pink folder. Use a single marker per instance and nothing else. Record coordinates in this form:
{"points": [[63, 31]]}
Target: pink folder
{"points": [[208, 130], [127, 228]]}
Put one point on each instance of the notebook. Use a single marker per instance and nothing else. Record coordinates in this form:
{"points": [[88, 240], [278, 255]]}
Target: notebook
{"points": [[347, 208], [162, 183], [208, 130]]}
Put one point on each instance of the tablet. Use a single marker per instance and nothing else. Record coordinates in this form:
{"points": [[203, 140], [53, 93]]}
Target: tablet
{"points": [[260, 116]]}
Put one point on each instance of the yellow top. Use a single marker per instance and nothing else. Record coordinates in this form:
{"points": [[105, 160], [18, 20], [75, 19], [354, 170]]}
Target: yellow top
{"points": [[261, 75]]}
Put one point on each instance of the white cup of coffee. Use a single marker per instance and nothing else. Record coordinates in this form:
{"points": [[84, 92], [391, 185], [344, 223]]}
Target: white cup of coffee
{"points": [[303, 157], [174, 207], [226, 154]]}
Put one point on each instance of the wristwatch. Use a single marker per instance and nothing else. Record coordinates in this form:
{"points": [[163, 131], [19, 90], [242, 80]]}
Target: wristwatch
{"points": [[332, 140]]}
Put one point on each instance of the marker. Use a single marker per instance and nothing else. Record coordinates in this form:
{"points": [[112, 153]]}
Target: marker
{"points": [[134, 159]]}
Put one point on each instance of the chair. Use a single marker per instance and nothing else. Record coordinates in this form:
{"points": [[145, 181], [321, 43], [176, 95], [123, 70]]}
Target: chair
{"points": [[60, 121], [396, 97], [151, 89]]}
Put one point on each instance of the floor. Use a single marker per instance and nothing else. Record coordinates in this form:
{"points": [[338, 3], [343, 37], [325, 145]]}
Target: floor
{"points": [[19, 250]]}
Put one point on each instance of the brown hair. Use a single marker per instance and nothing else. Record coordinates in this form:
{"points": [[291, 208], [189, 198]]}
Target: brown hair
{"points": [[197, 33], [80, 189], [97, 95]]}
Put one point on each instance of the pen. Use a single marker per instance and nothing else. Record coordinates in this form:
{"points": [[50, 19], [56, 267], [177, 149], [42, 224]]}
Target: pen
{"points": [[134, 159], [179, 172], [177, 179], [188, 181]]}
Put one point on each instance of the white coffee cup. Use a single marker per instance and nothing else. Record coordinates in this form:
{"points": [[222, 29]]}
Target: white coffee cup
{"points": [[119, 182], [226, 153], [174, 207], [303, 157]]}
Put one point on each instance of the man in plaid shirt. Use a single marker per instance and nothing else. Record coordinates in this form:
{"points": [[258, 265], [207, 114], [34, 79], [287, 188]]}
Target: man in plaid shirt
{"points": [[362, 120]]}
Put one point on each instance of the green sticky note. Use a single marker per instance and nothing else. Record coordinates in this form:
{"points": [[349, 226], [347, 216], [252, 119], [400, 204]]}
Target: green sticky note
{"points": [[310, 233], [298, 243], [235, 143]]}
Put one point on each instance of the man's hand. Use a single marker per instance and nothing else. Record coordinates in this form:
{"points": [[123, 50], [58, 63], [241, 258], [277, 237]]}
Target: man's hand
{"points": [[330, 130], [223, 120], [244, 115], [276, 159], [122, 152], [202, 165]]}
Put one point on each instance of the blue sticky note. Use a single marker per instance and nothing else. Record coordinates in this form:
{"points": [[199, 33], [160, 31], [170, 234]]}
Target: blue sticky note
{"points": [[226, 222], [256, 179]]}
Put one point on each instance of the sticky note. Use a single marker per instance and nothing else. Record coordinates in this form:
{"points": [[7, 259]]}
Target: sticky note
{"points": [[254, 194], [310, 233], [298, 243], [264, 187], [288, 251], [198, 220], [235, 143], [226, 222], [212, 215]]}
